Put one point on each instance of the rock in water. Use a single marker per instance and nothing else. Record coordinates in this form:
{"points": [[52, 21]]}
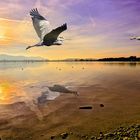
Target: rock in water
{"points": [[64, 135], [139, 134], [52, 137], [86, 107], [101, 105]]}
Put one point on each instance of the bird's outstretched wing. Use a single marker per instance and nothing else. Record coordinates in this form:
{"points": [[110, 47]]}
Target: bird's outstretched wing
{"points": [[41, 25], [55, 33]]}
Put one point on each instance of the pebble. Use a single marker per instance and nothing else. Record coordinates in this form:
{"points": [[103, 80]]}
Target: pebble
{"points": [[101, 105], [52, 137], [64, 135], [125, 138], [139, 134], [92, 137], [122, 133]]}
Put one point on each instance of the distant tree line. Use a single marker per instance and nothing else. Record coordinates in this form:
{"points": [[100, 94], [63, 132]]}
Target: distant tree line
{"points": [[131, 58]]}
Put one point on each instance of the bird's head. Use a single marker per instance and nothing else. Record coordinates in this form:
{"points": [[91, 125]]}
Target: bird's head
{"points": [[61, 39]]}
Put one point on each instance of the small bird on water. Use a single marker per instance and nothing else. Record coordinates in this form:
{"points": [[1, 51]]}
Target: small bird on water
{"points": [[48, 36]]}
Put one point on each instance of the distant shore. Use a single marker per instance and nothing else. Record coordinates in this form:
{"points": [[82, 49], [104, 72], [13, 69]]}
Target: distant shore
{"points": [[118, 59]]}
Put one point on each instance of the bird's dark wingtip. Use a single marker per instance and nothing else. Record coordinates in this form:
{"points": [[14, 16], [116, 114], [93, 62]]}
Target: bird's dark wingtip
{"points": [[34, 11], [65, 26]]}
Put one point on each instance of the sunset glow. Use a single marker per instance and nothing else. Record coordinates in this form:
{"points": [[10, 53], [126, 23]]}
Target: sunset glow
{"points": [[6, 91], [101, 30], [3, 91], [2, 32]]}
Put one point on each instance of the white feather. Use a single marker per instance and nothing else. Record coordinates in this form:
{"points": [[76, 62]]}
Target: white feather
{"points": [[42, 27]]}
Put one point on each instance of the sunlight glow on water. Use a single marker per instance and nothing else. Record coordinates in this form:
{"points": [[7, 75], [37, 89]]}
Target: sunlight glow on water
{"points": [[27, 81]]}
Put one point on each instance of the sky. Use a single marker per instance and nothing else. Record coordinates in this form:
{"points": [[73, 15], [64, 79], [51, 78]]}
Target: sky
{"points": [[96, 28]]}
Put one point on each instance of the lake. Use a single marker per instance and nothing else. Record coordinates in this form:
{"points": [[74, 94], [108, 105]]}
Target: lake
{"points": [[19, 76], [115, 84]]}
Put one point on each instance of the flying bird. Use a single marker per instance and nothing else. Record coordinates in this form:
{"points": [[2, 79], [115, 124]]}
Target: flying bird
{"points": [[135, 38], [47, 35]]}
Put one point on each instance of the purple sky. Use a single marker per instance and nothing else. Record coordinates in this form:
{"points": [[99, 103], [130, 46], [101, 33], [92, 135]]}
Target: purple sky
{"points": [[101, 28]]}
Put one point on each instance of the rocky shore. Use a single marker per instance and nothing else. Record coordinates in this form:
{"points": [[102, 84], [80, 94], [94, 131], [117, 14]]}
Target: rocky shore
{"points": [[122, 133]]}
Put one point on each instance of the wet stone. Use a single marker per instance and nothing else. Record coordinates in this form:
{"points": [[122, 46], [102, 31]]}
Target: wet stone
{"points": [[139, 134], [99, 138], [109, 135], [92, 138], [52, 137], [64, 135], [101, 105], [125, 138], [71, 133]]}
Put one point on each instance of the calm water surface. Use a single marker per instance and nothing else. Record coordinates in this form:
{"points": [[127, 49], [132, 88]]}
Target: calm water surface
{"points": [[27, 81]]}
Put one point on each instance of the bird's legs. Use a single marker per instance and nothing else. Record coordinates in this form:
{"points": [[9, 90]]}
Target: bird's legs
{"points": [[36, 45]]}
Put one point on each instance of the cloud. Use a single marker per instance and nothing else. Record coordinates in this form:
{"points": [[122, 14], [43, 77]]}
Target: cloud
{"points": [[94, 27]]}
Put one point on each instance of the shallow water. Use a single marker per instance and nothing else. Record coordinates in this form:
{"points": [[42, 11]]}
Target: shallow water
{"points": [[27, 81]]}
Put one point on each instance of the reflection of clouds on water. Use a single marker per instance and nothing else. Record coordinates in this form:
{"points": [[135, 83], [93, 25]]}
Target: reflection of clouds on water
{"points": [[18, 65], [38, 94], [42, 92], [47, 95], [31, 95], [43, 98], [30, 83], [31, 98]]}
